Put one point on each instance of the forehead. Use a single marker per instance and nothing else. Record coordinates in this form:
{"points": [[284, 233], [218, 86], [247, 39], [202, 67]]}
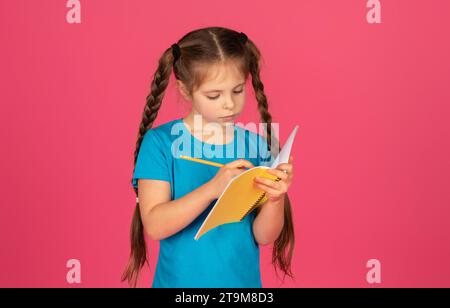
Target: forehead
{"points": [[222, 76]]}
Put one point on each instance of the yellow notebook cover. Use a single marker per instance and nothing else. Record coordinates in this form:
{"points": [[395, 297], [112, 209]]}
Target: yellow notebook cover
{"points": [[241, 196]]}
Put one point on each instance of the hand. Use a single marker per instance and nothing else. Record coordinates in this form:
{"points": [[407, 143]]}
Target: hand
{"points": [[225, 174], [275, 191]]}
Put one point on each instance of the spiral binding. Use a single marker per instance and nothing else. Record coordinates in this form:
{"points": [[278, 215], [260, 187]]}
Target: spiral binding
{"points": [[256, 203]]}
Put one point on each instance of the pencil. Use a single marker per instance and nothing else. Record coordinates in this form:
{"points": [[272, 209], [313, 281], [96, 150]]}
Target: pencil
{"points": [[202, 161]]}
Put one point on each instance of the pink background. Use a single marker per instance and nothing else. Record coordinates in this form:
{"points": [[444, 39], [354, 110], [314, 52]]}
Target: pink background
{"points": [[372, 152]]}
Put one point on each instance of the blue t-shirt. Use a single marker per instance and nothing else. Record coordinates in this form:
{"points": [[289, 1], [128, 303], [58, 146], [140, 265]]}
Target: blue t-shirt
{"points": [[227, 256]]}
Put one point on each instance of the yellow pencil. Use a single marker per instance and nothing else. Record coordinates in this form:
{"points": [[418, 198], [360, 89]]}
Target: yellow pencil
{"points": [[202, 161]]}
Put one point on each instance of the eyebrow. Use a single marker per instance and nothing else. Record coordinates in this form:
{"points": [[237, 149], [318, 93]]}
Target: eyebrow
{"points": [[221, 90]]}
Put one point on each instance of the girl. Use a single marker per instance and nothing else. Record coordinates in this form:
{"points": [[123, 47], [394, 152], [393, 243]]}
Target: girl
{"points": [[211, 67]]}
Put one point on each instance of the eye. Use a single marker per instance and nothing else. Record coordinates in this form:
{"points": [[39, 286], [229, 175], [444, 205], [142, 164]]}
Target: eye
{"points": [[212, 98], [216, 97]]}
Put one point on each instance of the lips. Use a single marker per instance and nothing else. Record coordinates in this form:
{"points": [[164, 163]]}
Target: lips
{"points": [[228, 117]]}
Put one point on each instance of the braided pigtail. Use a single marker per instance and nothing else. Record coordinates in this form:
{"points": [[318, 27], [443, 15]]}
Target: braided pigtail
{"points": [[283, 247], [138, 254]]}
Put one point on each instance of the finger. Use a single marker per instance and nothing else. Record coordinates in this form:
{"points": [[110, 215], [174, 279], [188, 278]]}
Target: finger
{"points": [[270, 183], [282, 175], [281, 186], [240, 163], [267, 189], [284, 166], [236, 171]]}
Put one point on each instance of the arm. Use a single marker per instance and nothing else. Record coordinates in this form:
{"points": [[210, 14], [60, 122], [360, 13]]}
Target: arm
{"points": [[160, 216], [269, 221]]}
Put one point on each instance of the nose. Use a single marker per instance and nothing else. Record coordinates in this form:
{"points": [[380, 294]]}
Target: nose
{"points": [[229, 104]]}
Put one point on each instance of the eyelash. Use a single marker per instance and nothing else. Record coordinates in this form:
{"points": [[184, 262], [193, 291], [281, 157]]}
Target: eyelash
{"points": [[216, 97]]}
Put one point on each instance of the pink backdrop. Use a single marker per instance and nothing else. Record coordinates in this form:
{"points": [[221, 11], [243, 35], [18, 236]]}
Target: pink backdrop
{"points": [[372, 152]]}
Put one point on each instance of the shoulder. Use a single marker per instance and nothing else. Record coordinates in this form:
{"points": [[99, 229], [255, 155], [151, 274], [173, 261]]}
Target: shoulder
{"points": [[163, 133]]}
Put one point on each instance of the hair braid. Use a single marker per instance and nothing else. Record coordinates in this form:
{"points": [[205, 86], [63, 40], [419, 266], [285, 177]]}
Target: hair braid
{"points": [[138, 255], [283, 247]]}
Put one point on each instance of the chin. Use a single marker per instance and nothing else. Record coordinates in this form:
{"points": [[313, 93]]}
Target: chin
{"points": [[226, 123]]}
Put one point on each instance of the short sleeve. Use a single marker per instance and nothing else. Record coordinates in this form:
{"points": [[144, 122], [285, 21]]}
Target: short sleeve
{"points": [[152, 162]]}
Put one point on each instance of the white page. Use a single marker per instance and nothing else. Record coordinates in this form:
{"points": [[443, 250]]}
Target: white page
{"points": [[285, 152]]}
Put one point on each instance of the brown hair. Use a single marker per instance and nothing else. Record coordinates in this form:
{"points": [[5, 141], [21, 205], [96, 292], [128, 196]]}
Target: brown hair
{"points": [[199, 49]]}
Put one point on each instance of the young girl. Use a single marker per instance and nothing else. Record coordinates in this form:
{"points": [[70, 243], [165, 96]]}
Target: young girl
{"points": [[174, 196]]}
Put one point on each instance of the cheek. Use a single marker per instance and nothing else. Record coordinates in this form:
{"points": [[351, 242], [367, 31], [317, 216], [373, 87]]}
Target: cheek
{"points": [[208, 108], [240, 102]]}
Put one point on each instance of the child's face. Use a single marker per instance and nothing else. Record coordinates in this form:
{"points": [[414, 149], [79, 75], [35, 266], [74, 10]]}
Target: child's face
{"points": [[222, 94]]}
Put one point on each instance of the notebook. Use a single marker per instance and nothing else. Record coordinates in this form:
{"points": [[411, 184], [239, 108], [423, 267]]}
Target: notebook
{"points": [[240, 196]]}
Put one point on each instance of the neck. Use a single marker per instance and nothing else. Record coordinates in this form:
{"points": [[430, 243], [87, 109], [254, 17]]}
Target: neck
{"points": [[211, 132]]}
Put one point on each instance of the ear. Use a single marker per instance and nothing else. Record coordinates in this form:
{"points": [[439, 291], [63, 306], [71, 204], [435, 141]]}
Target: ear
{"points": [[183, 90]]}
